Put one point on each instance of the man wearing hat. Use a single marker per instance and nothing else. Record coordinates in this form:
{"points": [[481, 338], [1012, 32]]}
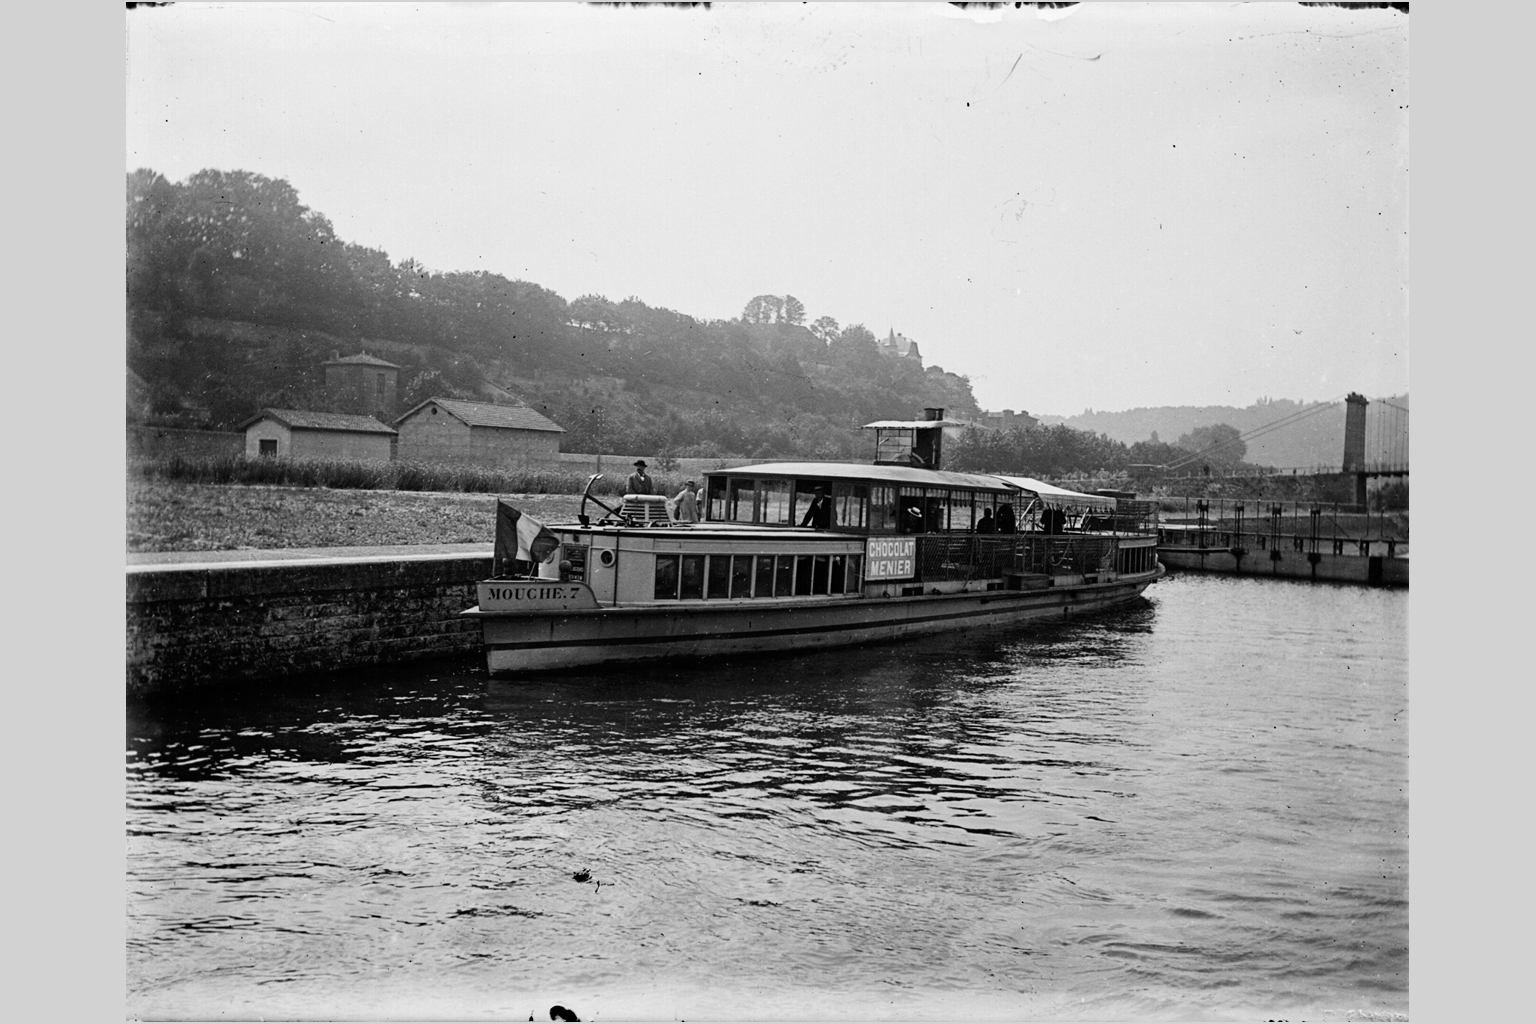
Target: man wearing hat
{"points": [[638, 482]]}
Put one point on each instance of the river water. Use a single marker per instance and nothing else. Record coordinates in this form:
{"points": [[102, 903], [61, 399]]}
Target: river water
{"points": [[1193, 808]]}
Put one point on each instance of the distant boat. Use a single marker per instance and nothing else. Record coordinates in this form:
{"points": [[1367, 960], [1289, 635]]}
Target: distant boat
{"points": [[797, 555]]}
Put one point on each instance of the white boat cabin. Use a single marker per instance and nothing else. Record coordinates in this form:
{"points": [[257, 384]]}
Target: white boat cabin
{"points": [[796, 531]]}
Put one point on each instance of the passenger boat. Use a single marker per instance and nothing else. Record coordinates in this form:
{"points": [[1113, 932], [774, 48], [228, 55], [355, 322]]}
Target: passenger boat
{"points": [[793, 555]]}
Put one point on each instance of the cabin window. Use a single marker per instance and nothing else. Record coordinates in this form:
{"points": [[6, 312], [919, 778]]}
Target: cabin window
{"points": [[805, 498], [820, 575], [802, 575], [745, 576], [913, 514], [853, 580], [894, 446], [268, 446], [692, 577], [738, 501], [783, 575], [936, 512], [850, 504], [773, 496], [666, 577], [964, 509], [741, 576], [714, 508], [883, 515], [719, 576]]}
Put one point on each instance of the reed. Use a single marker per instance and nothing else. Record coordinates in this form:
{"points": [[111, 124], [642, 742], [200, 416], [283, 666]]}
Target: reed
{"points": [[342, 474]]}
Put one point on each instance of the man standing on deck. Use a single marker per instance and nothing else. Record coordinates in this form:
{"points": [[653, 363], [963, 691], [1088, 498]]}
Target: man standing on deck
{"points": [[685, 506], [638, 482]]}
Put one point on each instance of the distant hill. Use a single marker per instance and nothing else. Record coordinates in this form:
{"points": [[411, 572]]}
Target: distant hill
{"points": [[1306, 440], [238, 294]]}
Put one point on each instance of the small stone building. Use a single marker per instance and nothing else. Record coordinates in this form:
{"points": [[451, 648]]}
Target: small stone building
{"points": [[362, 384], [450, 430], [294, 434]]}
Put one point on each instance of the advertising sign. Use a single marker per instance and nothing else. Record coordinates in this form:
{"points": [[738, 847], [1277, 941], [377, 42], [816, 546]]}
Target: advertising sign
{"points": [[890, 558]]}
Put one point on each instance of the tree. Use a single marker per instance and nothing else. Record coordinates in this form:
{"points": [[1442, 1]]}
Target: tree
{"points": [[854, 348], [792, 312], [1218, 445], [764, 309], [825, 328]]}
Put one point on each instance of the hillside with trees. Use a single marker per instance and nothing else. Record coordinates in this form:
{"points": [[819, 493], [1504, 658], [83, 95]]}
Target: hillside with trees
{"points": [[238, 292], [1304, 440]]}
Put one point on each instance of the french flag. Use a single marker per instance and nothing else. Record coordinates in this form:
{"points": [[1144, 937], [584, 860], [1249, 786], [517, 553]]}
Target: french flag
{"points": [[520, 538]]}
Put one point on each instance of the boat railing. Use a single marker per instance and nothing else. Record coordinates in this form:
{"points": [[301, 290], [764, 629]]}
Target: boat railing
{"points": [[943, 557], [1066, 554]]}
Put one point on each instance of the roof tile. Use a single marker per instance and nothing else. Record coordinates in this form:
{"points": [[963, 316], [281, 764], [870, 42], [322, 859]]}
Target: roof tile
{"points": [[299, 419], [485, 414], [362, 359]]}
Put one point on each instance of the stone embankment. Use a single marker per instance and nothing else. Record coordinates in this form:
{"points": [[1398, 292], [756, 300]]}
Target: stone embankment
{"points": [[243, 617]]}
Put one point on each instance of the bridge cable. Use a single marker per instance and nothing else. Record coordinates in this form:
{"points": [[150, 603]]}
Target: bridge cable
{"points": [[1285, 421]]}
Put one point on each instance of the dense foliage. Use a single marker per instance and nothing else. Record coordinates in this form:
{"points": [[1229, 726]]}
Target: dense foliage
{"points": [[1060, 451], [237, 293]]}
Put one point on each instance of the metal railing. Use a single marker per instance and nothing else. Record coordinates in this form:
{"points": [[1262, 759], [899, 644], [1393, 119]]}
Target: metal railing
{"points": [[948, 558], [1330, 521]]}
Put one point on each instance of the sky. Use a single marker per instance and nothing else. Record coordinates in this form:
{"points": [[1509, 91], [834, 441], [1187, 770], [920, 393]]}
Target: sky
{"points": [[1103, 206]]}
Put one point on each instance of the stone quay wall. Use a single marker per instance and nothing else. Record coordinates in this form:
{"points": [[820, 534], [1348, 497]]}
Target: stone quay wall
{"points": [[159, 442], [196, 627]]}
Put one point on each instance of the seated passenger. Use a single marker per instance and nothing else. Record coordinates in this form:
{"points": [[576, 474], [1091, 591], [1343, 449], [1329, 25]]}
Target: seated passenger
{"points": [[1005, 523], [986, 524]]}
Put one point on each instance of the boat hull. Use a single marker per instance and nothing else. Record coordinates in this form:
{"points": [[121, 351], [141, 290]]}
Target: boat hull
{"points": [[518, 643]]}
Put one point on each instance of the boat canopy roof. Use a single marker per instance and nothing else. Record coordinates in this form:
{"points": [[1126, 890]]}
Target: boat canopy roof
{"points": [[910, 424], [1060, 496], [878, 473]]}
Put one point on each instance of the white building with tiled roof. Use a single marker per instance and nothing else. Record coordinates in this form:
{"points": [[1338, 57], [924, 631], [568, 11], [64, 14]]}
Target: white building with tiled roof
{"points": [[450, 430], [298, 434]]}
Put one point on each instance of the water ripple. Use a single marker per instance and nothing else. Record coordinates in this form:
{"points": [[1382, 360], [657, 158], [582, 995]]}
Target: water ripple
{"points": [[1186, 804]]}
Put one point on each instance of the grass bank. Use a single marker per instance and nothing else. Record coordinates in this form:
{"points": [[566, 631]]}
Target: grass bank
{"points": [[177, 503], [340, 474]]}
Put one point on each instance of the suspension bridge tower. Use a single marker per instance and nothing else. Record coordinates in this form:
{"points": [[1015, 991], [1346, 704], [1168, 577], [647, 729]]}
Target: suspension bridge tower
{"points": [[1354, 441]]}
